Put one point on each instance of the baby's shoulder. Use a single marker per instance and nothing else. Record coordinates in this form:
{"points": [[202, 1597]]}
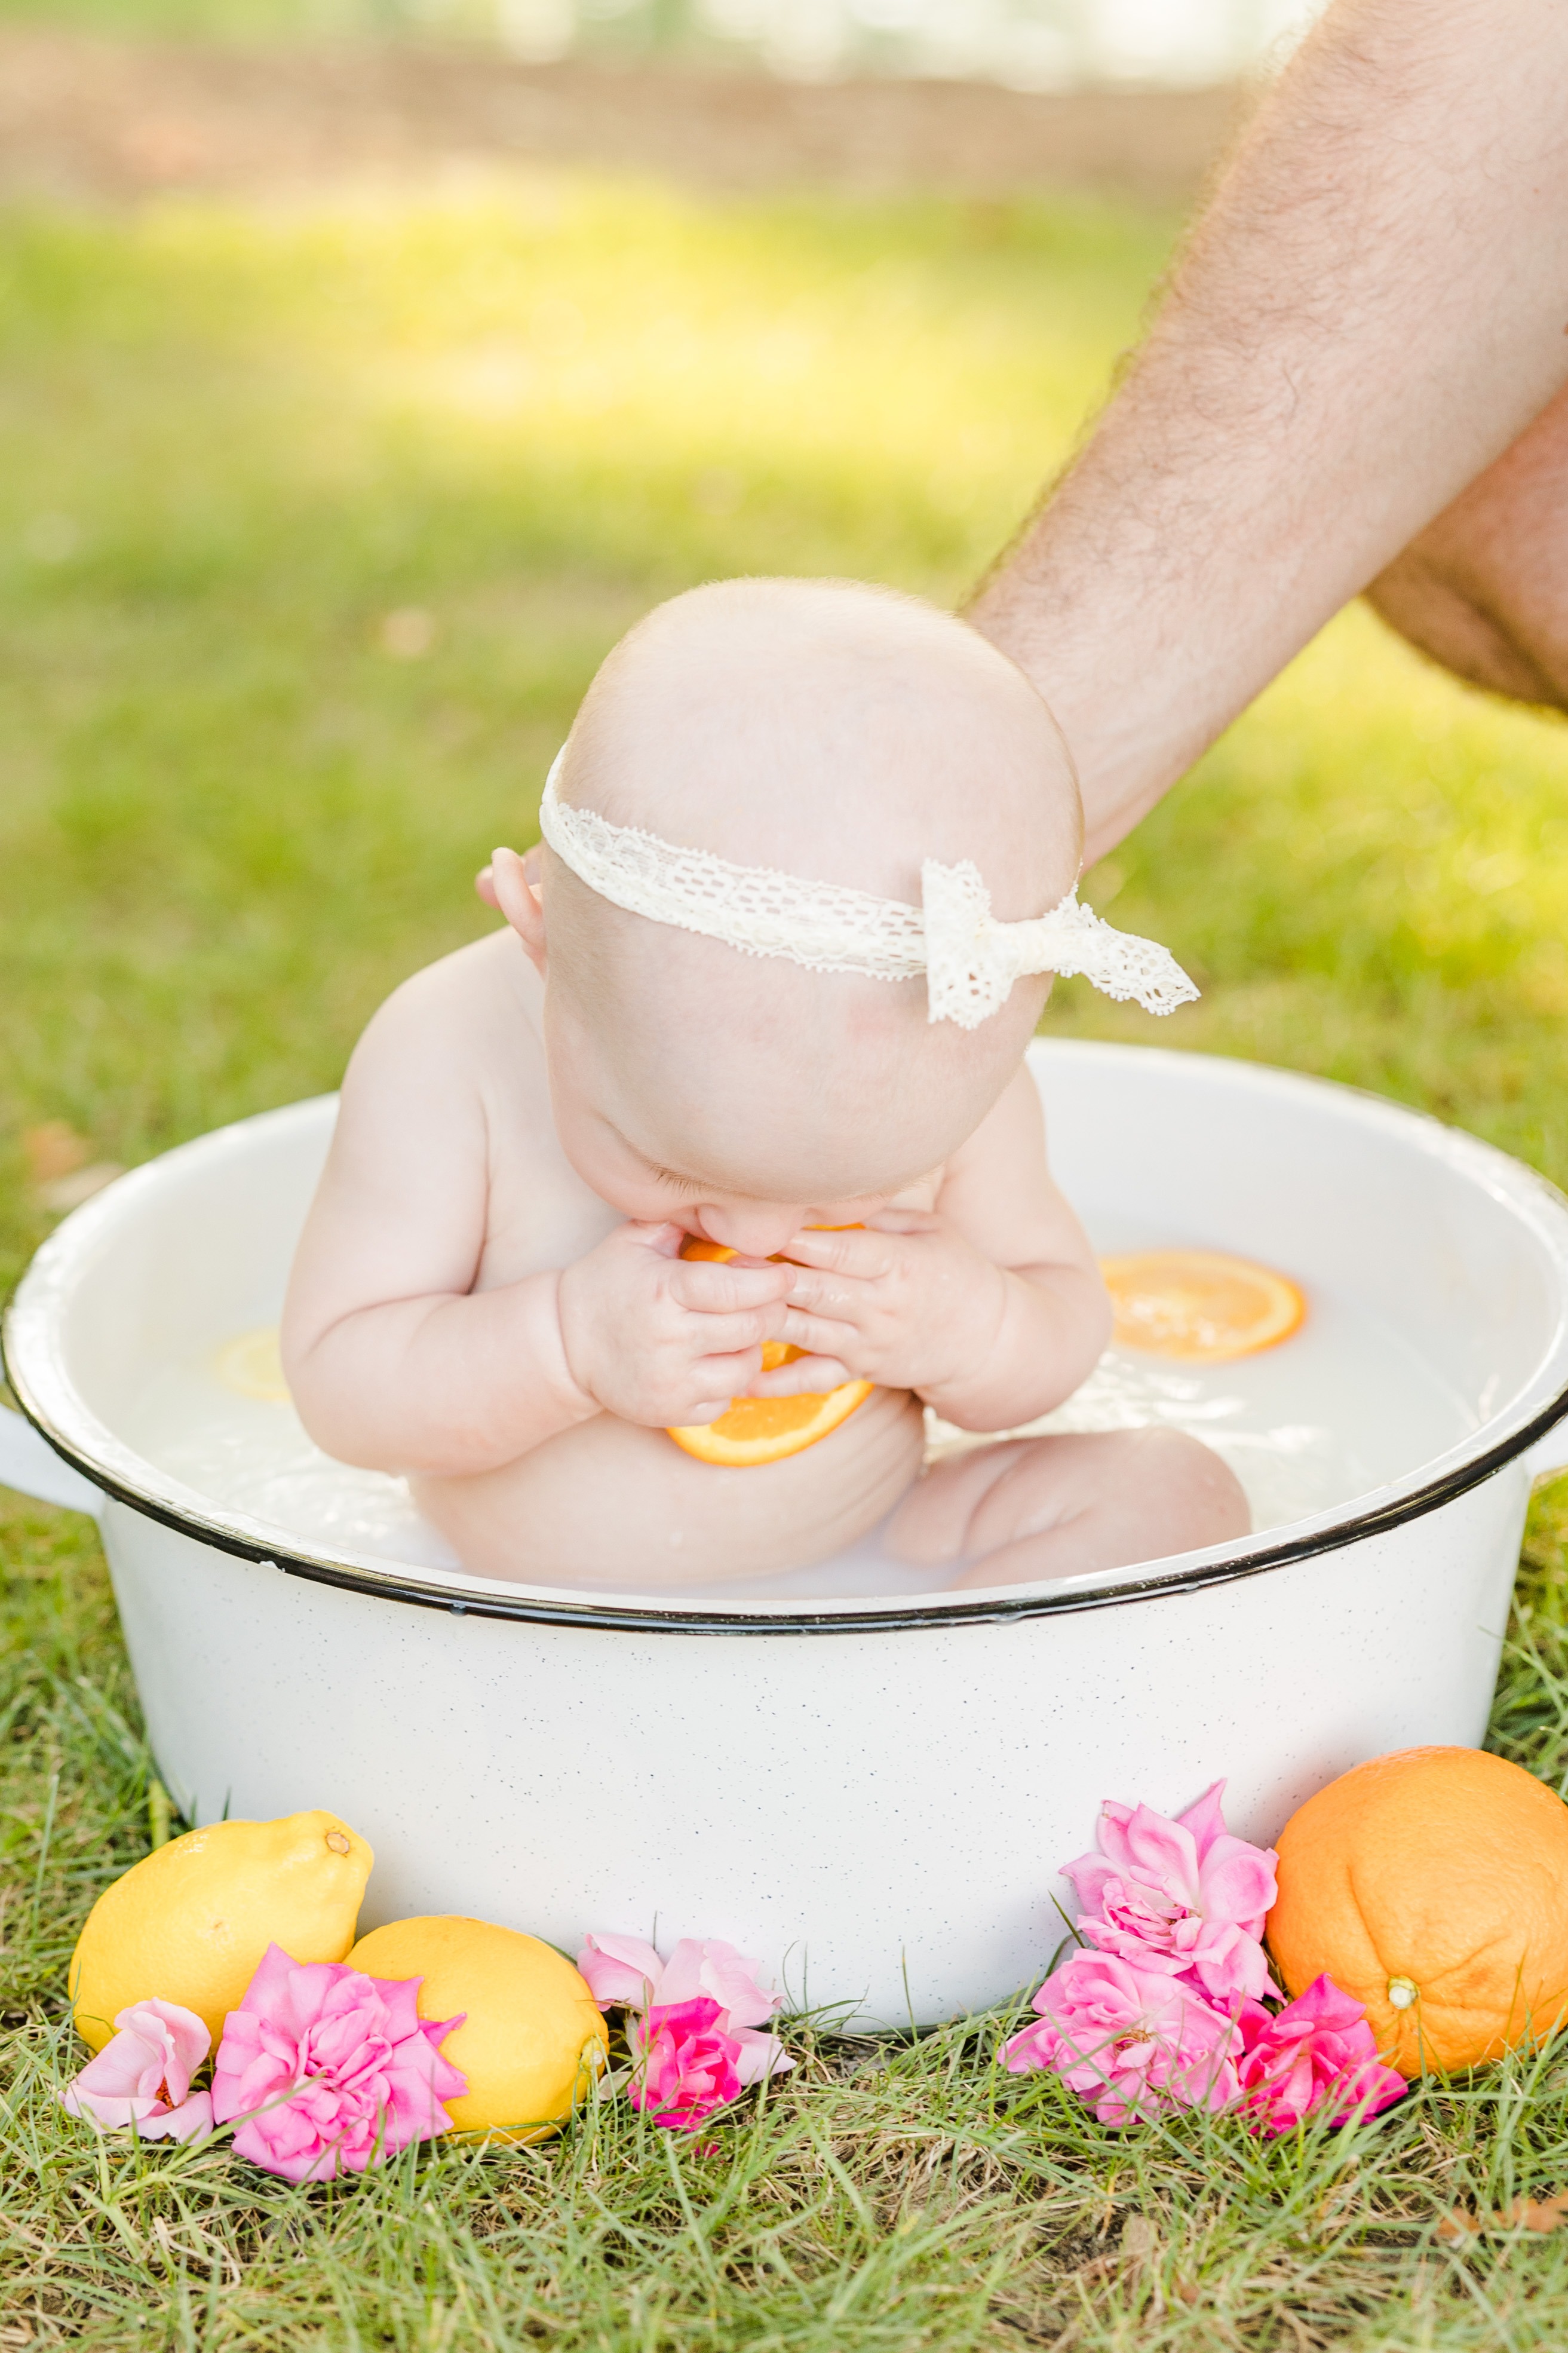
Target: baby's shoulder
{"points": [[452, 1018], [459, 1001]]}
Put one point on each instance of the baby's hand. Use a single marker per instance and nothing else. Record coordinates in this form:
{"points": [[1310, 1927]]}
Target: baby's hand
{"points": [[662, 1340], [903, 1300]]}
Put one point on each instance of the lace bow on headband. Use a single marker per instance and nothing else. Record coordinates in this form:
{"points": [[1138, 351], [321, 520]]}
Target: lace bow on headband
{"points": [[969, 959]]}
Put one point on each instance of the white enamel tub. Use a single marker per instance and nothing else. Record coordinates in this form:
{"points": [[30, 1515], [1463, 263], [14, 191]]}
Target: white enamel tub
{"points": [[868, 1794]]}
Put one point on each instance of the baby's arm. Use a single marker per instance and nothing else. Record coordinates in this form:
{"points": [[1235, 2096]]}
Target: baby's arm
{"points": [[393, 1360], [991, 1307], [397, 1363]]}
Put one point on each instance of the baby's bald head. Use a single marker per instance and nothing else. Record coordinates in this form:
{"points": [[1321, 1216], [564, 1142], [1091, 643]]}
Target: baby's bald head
{"points": [[842, 734]]}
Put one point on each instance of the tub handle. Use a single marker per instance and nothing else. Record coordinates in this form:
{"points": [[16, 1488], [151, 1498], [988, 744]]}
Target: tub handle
{"points": [[30, 1464]]}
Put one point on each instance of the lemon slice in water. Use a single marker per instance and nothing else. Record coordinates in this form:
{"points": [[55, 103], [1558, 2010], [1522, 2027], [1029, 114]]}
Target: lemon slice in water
{"points": [[252, 1364]]}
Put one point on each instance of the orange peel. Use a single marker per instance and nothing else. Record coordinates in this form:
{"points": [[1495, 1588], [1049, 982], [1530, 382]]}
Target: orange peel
{"points": [[1431, 1886]]}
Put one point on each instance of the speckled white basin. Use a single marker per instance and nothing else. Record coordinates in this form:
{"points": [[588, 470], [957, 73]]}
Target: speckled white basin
{"points": [[866, 1790]]}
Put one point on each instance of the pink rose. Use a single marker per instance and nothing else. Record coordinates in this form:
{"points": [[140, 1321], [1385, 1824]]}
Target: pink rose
{"points": [[621, 1971], [684, 2065], [1180, 1896], [142, 2075], [331, 2070], [624, 1972], [1133, 2041], [1318, 2053]]}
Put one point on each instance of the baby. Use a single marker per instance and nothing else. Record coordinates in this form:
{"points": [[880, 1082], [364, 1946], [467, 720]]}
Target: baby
{"points": [[490, 1296]]}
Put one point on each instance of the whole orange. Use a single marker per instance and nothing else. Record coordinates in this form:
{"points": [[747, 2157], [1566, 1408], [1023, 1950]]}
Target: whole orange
{"points": [[1433, 1886]]}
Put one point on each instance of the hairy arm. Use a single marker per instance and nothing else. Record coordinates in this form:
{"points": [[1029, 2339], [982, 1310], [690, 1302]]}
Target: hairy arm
{"points": [[1371, 312]]}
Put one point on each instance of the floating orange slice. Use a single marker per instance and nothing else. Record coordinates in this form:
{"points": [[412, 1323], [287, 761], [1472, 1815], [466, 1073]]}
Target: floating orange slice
{"points": [[765, 1430], [1200, 1305]]}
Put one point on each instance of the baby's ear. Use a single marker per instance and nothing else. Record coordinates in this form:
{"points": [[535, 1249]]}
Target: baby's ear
{"points": [[521, 900]]}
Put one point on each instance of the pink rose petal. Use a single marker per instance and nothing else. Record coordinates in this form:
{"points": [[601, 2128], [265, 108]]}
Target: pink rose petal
{"points": [[1318, 2053], [1181, 1895], [693, 2030], [620, 1971], [761, 2055], [191, 2120], [686, 2065], [329, 2071], [710, 1967], [144, 2072], [1133, 2042]]}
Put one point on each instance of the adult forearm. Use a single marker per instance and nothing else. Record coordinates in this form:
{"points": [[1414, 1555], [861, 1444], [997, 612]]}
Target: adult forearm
{"points": [[1373, 308], [449, 1387], [1484, 588]]}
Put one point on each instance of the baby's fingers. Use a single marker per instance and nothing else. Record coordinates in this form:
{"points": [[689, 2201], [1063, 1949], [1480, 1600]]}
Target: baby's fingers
{"points": [[804, 1376], [820, 1335], [719, 1335], [815, 1292], [719, 1380], [856, 1251], [712, 1288], [698, 1417]]}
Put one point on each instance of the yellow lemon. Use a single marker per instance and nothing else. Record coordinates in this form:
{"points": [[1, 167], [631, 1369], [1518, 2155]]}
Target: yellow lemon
{"points": [[532, 2039], [189, 1922]]}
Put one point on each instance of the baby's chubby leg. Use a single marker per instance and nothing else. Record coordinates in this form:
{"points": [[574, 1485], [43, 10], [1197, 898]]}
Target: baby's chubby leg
{"points": [[1034, 1508], [609, 1502]]}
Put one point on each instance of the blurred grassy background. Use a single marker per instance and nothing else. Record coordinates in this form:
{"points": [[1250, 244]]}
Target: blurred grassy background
{"points": [[315, 523], [1022, 44], [238, 801]]}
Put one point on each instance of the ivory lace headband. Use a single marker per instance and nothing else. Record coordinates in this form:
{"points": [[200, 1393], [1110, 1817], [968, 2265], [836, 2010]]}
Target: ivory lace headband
{"points": [[969, 959]]}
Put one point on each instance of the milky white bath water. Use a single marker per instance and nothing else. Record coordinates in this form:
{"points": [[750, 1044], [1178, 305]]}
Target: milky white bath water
{"points": [[1323, 1420]]}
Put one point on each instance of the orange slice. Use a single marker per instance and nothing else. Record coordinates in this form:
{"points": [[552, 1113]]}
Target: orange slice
{"points": [[765, 1430], [1200, 1305]]}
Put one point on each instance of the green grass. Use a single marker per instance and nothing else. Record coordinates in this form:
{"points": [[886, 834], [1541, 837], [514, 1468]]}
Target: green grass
{"points": [[219, 20], [626, 33], [886, 2199], [230, 820]]}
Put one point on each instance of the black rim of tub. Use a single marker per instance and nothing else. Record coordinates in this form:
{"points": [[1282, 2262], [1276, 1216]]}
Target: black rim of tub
{"points": [[935, 1615]]}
